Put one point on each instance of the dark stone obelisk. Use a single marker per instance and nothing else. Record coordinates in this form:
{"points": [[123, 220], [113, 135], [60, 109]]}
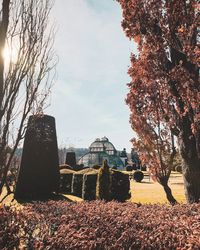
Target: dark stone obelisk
{"points": [[39, 171]]}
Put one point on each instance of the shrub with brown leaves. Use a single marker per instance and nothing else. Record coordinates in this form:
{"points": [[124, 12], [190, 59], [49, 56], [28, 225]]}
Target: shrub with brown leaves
{"points": [[100, 225]]}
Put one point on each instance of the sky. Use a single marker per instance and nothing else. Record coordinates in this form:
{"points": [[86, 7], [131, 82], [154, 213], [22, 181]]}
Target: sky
{"points": [[88, 98]]}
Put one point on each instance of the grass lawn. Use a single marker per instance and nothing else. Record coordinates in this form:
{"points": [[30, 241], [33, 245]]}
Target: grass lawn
{"points": [[152, 192]]}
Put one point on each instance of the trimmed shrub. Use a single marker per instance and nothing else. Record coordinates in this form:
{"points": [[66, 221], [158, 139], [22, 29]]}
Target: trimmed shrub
{"points": [[138, 176], [96, 166], [65, 183], [78, 167], [67, 171], [89, 186], [120, 186], [39, 170], [65, 166], [135, 167], [178, 168], [129, 168], [66, 180], [144, 167], [88, 170], [103, 182], [77, 182]]}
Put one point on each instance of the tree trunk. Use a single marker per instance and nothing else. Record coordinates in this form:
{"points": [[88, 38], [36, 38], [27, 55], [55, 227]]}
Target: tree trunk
{"points": [[169, 195], [3, 32], [164, 182], [189, 145], [191, 177]]}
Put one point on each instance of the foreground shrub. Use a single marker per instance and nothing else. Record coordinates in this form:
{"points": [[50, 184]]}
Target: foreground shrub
{"points": [[120, 186], [9, 228], [99, 225], [138, 176]]}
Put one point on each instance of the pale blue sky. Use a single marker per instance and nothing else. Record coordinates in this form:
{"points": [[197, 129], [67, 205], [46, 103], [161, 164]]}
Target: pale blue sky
{"points": [[94, 54]]}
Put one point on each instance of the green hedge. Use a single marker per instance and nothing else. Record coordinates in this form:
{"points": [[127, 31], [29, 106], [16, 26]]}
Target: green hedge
{"points": [[64, 166], [103, 182], [129, 168], [96, 166], [77, 182], [89, 186], [112, 185], [67, 171], [65, 183], [138, 176], [120, 186], [66, 180], [87, 170]]}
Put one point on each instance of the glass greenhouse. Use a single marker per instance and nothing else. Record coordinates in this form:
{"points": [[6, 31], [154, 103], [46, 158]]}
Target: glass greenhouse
{"points": [[100, 150]]}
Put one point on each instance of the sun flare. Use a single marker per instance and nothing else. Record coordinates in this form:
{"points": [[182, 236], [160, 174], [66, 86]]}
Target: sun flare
{"points": [[9, 55]]}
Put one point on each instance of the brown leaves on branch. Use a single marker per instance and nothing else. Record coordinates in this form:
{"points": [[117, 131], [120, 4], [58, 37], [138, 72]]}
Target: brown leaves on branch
{"points": [[100, 225], [164, 94], [164, 76]]}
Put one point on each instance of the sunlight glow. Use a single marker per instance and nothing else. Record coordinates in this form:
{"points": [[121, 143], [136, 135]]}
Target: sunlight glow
{"points": [[9, 55]]}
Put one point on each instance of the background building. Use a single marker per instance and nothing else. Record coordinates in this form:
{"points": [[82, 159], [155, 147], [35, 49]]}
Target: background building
{"points": [[100, 150]]}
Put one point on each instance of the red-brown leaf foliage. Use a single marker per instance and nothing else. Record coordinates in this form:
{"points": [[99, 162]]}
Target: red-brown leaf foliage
{"points": [[100, 225], [164, 92]]}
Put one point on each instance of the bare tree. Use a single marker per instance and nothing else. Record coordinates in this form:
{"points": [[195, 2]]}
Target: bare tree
{"points": [[25, 71]]}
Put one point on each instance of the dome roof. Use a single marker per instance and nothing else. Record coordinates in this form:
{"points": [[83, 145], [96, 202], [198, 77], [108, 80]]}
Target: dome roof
{"points": [[100, 150], [100, 145], [90, 159]]}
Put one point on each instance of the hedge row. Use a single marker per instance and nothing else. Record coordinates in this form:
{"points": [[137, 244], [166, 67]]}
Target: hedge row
{"points": [[86, 183], [99, 225], [66, 176], [120, 186], [89, 186]]}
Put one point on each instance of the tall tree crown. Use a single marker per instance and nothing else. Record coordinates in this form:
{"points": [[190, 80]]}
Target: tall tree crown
{"points": [[164, 85]]}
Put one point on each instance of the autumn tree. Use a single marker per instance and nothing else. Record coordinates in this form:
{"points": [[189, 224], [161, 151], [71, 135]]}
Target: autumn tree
{"points": [[26, 61], [164, 75], [157, 151]]}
